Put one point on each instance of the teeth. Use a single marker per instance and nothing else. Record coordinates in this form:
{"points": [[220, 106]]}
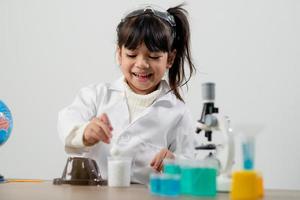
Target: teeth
{"points": [[142, 75]]}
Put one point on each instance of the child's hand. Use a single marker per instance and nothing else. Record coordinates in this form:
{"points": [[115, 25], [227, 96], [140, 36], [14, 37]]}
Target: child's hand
{"points": [[99, 129], [157, 162]]}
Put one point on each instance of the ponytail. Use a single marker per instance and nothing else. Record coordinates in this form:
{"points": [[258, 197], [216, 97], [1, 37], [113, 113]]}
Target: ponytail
{"points": [[181, 43]]}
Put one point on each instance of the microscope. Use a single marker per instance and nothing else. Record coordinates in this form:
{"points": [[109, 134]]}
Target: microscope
{"points": [[211, 122]]}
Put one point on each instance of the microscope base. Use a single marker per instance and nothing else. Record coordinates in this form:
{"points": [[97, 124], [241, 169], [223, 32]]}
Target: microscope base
{"points": [[223, 183]]}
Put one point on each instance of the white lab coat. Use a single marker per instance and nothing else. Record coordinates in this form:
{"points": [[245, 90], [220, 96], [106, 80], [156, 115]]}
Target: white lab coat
{"points": [[165, 124]]}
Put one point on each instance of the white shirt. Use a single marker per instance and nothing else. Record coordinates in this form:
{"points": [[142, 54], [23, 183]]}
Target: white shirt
{"points": [[166, 123]]}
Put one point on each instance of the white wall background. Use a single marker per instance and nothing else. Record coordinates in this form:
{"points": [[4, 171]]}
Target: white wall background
{"points": [[50, 49]]}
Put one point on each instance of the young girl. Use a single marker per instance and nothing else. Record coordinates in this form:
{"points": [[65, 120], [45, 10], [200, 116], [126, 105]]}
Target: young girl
{"points": [[141, 111]]}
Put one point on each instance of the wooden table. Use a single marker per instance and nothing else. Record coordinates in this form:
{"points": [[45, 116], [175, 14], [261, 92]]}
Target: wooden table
{"points": [[46, 190]]}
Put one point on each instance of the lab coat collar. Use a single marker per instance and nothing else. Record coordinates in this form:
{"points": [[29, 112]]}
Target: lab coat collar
{"points": [[166, 94], [118, 85]]}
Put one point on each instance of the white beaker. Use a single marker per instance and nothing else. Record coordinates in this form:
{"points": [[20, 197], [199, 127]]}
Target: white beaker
{"points": [[119, 171]]}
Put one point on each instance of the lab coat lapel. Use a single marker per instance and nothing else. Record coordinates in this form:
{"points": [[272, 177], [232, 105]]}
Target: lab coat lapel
{"points": [[119, 116], [119, 113]]}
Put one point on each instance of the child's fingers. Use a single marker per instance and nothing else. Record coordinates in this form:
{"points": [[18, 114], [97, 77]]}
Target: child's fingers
{"points": [[100, 129], [162, 156], [160, 168], [95, 135], [103, 138], [169, 155], [106, 131], [95, 127], [153, 161], [157, 162], [104, 118], [91, 138], [103, 126]]}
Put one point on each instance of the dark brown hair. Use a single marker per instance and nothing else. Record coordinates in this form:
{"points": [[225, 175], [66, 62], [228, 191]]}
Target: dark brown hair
{"points": [[159, 35]]}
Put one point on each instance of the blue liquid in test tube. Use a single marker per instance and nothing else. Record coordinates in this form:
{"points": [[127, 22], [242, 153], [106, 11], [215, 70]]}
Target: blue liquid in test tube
{"points": [[248, 149]]}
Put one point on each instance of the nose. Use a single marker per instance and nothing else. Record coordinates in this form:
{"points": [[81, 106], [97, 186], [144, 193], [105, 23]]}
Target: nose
{"points": [[142, 63]]}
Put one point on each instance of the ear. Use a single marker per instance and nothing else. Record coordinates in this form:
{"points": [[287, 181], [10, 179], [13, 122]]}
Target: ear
{"points": [[119, 55], [171, 58]]}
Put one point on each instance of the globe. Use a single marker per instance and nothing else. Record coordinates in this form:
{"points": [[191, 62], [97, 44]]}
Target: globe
{"points": [[6, 123]]}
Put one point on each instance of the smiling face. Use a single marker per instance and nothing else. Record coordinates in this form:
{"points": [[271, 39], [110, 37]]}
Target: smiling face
{"points": [[143, 69]]}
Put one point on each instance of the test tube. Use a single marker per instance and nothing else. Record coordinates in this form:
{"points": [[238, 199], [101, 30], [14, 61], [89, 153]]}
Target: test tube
{"points": [[248, 150]]}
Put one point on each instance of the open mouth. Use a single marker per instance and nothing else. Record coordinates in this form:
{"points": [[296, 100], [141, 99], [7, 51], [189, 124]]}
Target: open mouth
{"points": [[142, 76]]}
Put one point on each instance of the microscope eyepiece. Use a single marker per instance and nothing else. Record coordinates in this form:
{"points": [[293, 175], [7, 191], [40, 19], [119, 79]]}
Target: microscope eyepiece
{"points": [[208, 91]]}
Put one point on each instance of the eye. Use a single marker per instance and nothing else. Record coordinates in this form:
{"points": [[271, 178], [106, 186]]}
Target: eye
{"points": [[131, 55], [154, 57]]}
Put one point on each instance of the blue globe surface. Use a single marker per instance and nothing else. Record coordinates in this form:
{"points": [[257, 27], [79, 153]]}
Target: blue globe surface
{"points": [[6, 123]]}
